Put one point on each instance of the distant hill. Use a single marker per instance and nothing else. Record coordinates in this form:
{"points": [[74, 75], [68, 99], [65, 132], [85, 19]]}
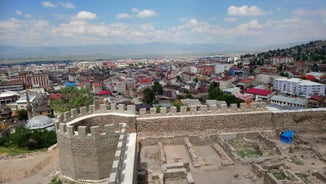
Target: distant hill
{"points": [[114, 50], [312, 51], [8, 54]]}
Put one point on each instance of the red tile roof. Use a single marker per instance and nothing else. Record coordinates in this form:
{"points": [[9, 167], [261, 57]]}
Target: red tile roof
{"points": [[245, 80], [316, 97], [147, 80], [104, 92], [97, 84], [56, 96], [257, 91]]}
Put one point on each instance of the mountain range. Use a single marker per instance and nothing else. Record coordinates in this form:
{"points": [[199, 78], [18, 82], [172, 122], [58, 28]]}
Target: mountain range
{"points": [[130, 50]]}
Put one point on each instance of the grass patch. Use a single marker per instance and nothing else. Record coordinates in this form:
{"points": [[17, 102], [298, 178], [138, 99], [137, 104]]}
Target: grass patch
{"points": [[279, 175], [249, 153], [12, 151], [297, 161], [303, 177], [239, 143], [56, 180], [244, 149]]}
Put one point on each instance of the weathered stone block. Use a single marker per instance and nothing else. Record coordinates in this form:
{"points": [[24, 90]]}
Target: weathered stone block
{"points": [[92, 108], [213, 108], [131, 109], [203, 108], [82, 131], [70, 131], [142, 112], [66, 116], [193, 109], [121, 108], [224, 107], [83, 111], [74, 113], [253, 106], [95, 132], [163, 110], [153, 111], [103, 108], [183, 109], [113, 107], [173, 110], [233, 107]]}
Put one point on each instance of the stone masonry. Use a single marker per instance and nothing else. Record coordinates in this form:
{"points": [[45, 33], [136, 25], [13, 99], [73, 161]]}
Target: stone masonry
{"points": [[88, 141]]}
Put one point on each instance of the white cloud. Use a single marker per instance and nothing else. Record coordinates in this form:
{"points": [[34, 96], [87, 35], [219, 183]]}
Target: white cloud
{"points": [[28, 15], [48, 4], [245, 11], [193, 22], [145, 13], [85, 15], [10, 25], [123, 16], [67, 5], [18, 12], [299, 12], [81, 31], [135, 10], [251, 27]]}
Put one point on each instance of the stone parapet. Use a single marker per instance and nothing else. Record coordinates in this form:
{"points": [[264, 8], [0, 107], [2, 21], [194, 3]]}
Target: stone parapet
{"points": [[117, 166], [82, 133], [163, 111]]}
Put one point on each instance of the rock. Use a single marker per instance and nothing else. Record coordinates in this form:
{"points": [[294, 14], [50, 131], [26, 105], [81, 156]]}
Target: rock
{"points": [[236, 175]]}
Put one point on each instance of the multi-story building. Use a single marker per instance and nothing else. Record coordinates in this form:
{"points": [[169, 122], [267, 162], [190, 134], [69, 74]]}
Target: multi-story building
{"points": [[295, 86], [39, 80], [14, 85]]}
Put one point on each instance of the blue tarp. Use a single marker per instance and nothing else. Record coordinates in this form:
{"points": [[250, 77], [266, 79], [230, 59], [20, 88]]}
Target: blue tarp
{"points": [[286, 137], [70, 84]]}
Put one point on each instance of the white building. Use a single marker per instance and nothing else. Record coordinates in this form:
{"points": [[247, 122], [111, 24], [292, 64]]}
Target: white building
{"points": [[263, 78], [295, 86], [219, 68], [193, 69], [288, 101]]}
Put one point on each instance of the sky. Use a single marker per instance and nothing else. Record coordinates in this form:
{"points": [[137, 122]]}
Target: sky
{"points": [[95, 22]]}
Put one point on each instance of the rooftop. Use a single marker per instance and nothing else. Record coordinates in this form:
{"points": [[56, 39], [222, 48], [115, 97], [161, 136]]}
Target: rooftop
{"points": [[40, 122], [257, 91]]}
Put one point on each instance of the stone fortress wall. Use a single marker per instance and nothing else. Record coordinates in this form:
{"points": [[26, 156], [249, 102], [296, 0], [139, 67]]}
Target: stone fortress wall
{"points": [[90, 146]]}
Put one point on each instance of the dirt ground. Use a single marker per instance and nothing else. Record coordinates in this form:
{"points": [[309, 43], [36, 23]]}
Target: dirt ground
{"points": [[211, 172], [304, 157], [34, 168]]}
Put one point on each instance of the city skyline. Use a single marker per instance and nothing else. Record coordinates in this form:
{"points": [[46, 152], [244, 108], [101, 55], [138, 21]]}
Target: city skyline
{"points": [[247, 23]]}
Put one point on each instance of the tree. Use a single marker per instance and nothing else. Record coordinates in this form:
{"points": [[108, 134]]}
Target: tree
{"points": [[178, 78], [72, 97], [22, 115], [148, 96], [157, 88], [214, 92], [32, 139]]}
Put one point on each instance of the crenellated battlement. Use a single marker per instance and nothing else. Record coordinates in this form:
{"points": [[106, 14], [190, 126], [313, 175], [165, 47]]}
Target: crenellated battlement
{"points": [[92, 132], [130, 110], [203, 109], [122, 109]]}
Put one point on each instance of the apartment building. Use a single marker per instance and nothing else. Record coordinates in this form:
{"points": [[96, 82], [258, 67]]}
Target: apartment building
{"points": [[295, 86]]}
